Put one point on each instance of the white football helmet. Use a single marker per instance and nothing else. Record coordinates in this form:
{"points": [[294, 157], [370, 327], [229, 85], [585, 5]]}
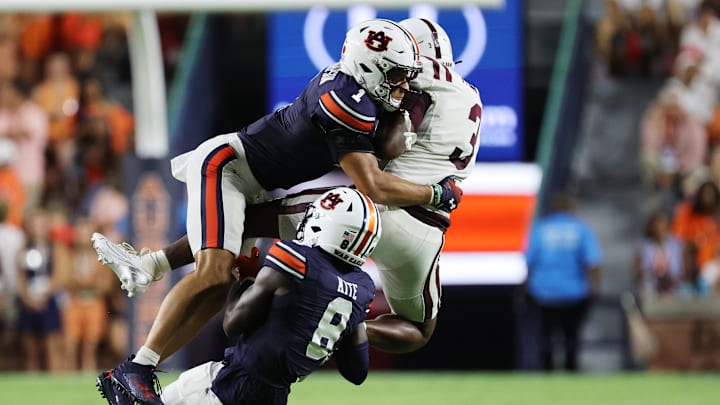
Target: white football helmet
{"points": [[432, 40], [373, 48], [343, 222]]}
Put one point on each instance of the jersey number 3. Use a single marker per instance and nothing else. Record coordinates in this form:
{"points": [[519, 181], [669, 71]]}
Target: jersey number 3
{"points": [[459, 161], [331, 326]]}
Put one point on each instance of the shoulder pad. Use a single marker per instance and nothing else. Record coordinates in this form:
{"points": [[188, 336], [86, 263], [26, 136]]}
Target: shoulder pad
{"points": [[348, 105]]}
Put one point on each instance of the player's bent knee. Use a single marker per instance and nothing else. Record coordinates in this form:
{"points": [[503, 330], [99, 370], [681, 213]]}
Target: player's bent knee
{"points": [[418, 340], [213, 266], [395, 334]]}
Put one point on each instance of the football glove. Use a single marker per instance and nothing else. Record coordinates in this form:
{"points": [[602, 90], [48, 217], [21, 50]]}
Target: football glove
{"points": [[446, 195], [248, 266]]}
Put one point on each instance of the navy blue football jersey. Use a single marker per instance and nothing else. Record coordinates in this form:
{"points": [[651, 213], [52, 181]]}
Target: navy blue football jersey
{"points": [[328, 300], [301, 141]]}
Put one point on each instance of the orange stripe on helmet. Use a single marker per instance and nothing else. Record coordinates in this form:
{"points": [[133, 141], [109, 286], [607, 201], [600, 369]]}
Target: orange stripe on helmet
{"points": [[371, 223]]}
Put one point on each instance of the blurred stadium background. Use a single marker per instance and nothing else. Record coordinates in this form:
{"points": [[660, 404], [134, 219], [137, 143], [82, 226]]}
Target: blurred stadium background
{"points": [[95, 97]]}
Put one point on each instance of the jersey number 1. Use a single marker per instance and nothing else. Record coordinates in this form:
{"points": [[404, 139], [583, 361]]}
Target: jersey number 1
{"points": [[331, 326]]}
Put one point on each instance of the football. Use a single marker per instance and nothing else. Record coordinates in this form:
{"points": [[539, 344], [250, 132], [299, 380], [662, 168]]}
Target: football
{"points": [[389, 141]]}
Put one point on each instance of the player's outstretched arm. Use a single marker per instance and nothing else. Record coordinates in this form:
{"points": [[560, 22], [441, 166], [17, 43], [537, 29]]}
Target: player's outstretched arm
{"points": [[385, 188], [381, 187], [248, 305], [352, 356]]}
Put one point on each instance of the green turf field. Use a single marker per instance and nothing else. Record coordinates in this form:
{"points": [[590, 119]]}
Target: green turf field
{"points": [[441, 388]]}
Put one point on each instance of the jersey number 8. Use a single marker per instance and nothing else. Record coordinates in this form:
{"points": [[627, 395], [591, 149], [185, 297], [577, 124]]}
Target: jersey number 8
{"points": [[331, 326]]}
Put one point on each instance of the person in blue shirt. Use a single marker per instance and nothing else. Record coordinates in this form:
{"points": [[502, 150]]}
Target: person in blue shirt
{"points": [[563, 258]]}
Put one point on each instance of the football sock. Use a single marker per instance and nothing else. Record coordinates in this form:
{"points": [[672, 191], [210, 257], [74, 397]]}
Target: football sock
{"points": [[147, 357], [157, 261]]}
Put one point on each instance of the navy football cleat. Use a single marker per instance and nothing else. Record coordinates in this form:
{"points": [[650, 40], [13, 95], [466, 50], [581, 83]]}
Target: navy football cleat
{"points": [[138, 382], [110, 391]]}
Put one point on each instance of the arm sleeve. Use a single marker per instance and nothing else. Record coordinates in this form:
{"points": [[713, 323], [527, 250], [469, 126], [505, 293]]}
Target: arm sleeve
{"points": [[353, 362]]}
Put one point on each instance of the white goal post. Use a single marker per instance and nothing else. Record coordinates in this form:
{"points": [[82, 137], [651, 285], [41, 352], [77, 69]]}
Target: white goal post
{"points": [[221, 5]]}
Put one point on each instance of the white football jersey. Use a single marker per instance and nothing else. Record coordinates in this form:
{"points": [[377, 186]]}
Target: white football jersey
{"points": [[448, 136]]}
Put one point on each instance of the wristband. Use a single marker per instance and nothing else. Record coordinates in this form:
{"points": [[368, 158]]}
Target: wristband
{"points": [[436, 195]]}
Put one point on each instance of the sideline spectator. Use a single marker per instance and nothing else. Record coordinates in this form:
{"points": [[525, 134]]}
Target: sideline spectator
{"points": [[58, 94], [695, 223], [673, 144], [119, 120], [11, 188], [13, 239], [711, 273], [703, 34], [693, 87], [611, 36], [693, 284], [81, 34], [25, 122], [708, 172], [9, 63], [108, 207], [36, 41], [563, 260], [714, 127], [94, 156], [85, 314], [112, 63], [59, 143], [658, 261], [678, 13], [636, 38], [648, 39], [38, 283], [117, 329]]}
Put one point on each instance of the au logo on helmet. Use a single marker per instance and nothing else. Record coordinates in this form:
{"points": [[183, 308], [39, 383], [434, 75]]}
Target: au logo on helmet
{"points": [[377, 41], [331, 201]]}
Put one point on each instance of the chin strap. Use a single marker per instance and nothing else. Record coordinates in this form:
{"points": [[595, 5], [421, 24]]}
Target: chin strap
{"points": [[409, 134]]}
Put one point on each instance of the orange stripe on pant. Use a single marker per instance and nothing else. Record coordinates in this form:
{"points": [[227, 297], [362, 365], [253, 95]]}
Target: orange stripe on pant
{"points": [[213, 216], [490, 223]]}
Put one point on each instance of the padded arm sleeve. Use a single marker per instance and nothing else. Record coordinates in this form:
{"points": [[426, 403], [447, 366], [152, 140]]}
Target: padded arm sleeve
{"points": [[353, 362]]}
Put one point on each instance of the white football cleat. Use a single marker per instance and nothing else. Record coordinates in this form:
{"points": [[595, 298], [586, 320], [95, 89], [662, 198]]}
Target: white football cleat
{"points": [[126, 263]]}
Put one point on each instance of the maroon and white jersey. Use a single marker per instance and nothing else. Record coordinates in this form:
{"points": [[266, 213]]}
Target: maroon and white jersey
{"points": [[447, 139], [448, 136]]}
